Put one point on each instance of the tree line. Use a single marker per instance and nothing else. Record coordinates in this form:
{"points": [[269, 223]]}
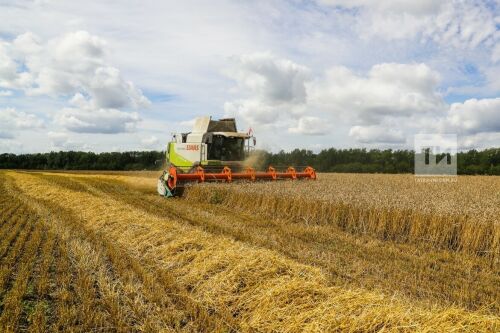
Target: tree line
{"points": [[79, 160], [485, 162], [328, 160]]}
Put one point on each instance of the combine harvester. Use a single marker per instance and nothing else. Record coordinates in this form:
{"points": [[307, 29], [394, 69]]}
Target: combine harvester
{"points": [[215, 151]]}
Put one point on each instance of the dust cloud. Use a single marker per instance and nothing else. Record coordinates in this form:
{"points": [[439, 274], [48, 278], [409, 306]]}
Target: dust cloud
{"points": [[257, 160]]}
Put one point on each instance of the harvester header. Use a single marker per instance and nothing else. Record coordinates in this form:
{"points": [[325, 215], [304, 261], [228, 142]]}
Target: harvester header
{"points": [[215, 152]]}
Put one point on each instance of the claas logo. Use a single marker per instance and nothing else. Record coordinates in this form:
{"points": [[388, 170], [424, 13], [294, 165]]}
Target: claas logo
{"points": [[192, 147]]}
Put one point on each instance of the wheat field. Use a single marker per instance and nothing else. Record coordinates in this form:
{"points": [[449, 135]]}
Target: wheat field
{"points": [[102, 252]]}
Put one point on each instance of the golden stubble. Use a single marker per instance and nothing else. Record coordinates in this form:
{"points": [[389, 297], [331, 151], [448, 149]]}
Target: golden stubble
{"points": [[247, 286]]}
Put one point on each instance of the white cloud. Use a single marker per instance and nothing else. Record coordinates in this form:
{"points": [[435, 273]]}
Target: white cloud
{"points": [[397, 6], [455, 23], [479, 141], [393, 19], [62, 141], [79, 78], [9, 77], [76, 63], [84, 117], [12, 119], [7, 65], [109, 90], [27, 44], [463, 24], [252, 111], [385, 106], [476, 122], [389, 90], [106, 121], [5, 93], [273, 86], [475, 116], [377, 134], [57, 138], [271, 79], [310, 126], [150, 142], [73, 64], [495, 55]]}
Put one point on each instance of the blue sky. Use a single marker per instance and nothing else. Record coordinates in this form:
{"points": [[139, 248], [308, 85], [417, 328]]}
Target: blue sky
{"points": [[116, 76]]}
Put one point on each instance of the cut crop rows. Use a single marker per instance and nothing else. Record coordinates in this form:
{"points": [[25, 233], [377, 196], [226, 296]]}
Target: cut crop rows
{"points": [[436, 276], [187, 272], [59, 276]]}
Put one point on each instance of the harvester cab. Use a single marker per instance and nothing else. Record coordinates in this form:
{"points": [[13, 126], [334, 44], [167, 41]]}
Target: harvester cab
{"points": [[214, 151]]}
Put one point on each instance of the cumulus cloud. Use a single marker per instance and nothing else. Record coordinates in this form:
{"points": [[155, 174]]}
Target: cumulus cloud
{"points": [[389, 100], [273, 80], [273, 93], [377, 134], [479, 140], [9, 76], [460, 24], [7, 64], [385, 105], [398, 6], [389, 90], [66, 64], [150, 142], [73, 64], [475, 121], [272, 86], [27, 44], [62, 141], [84, 117], [11, 119], [310, 126], [105, 121], [109, 90], [393, 99], [475, 116], [253, 111]]}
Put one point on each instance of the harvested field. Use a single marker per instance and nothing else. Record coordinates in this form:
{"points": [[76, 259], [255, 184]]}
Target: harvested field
{"points": [[359, 253], [462, 216]]}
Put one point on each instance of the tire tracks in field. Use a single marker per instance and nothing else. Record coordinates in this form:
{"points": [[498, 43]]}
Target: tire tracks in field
{"points": [[269, 289], [170, 307], [18, 264], [350, 261]]}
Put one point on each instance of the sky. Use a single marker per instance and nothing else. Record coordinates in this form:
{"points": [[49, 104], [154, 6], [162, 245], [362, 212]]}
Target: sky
{"points": [[125, 75]]}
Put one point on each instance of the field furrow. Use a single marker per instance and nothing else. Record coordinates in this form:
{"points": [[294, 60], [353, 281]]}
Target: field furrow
{"points": [[14, 249], [37, 319], [439, 276], [99, 286], [14, 299], [234, 280], [14, 223]]}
